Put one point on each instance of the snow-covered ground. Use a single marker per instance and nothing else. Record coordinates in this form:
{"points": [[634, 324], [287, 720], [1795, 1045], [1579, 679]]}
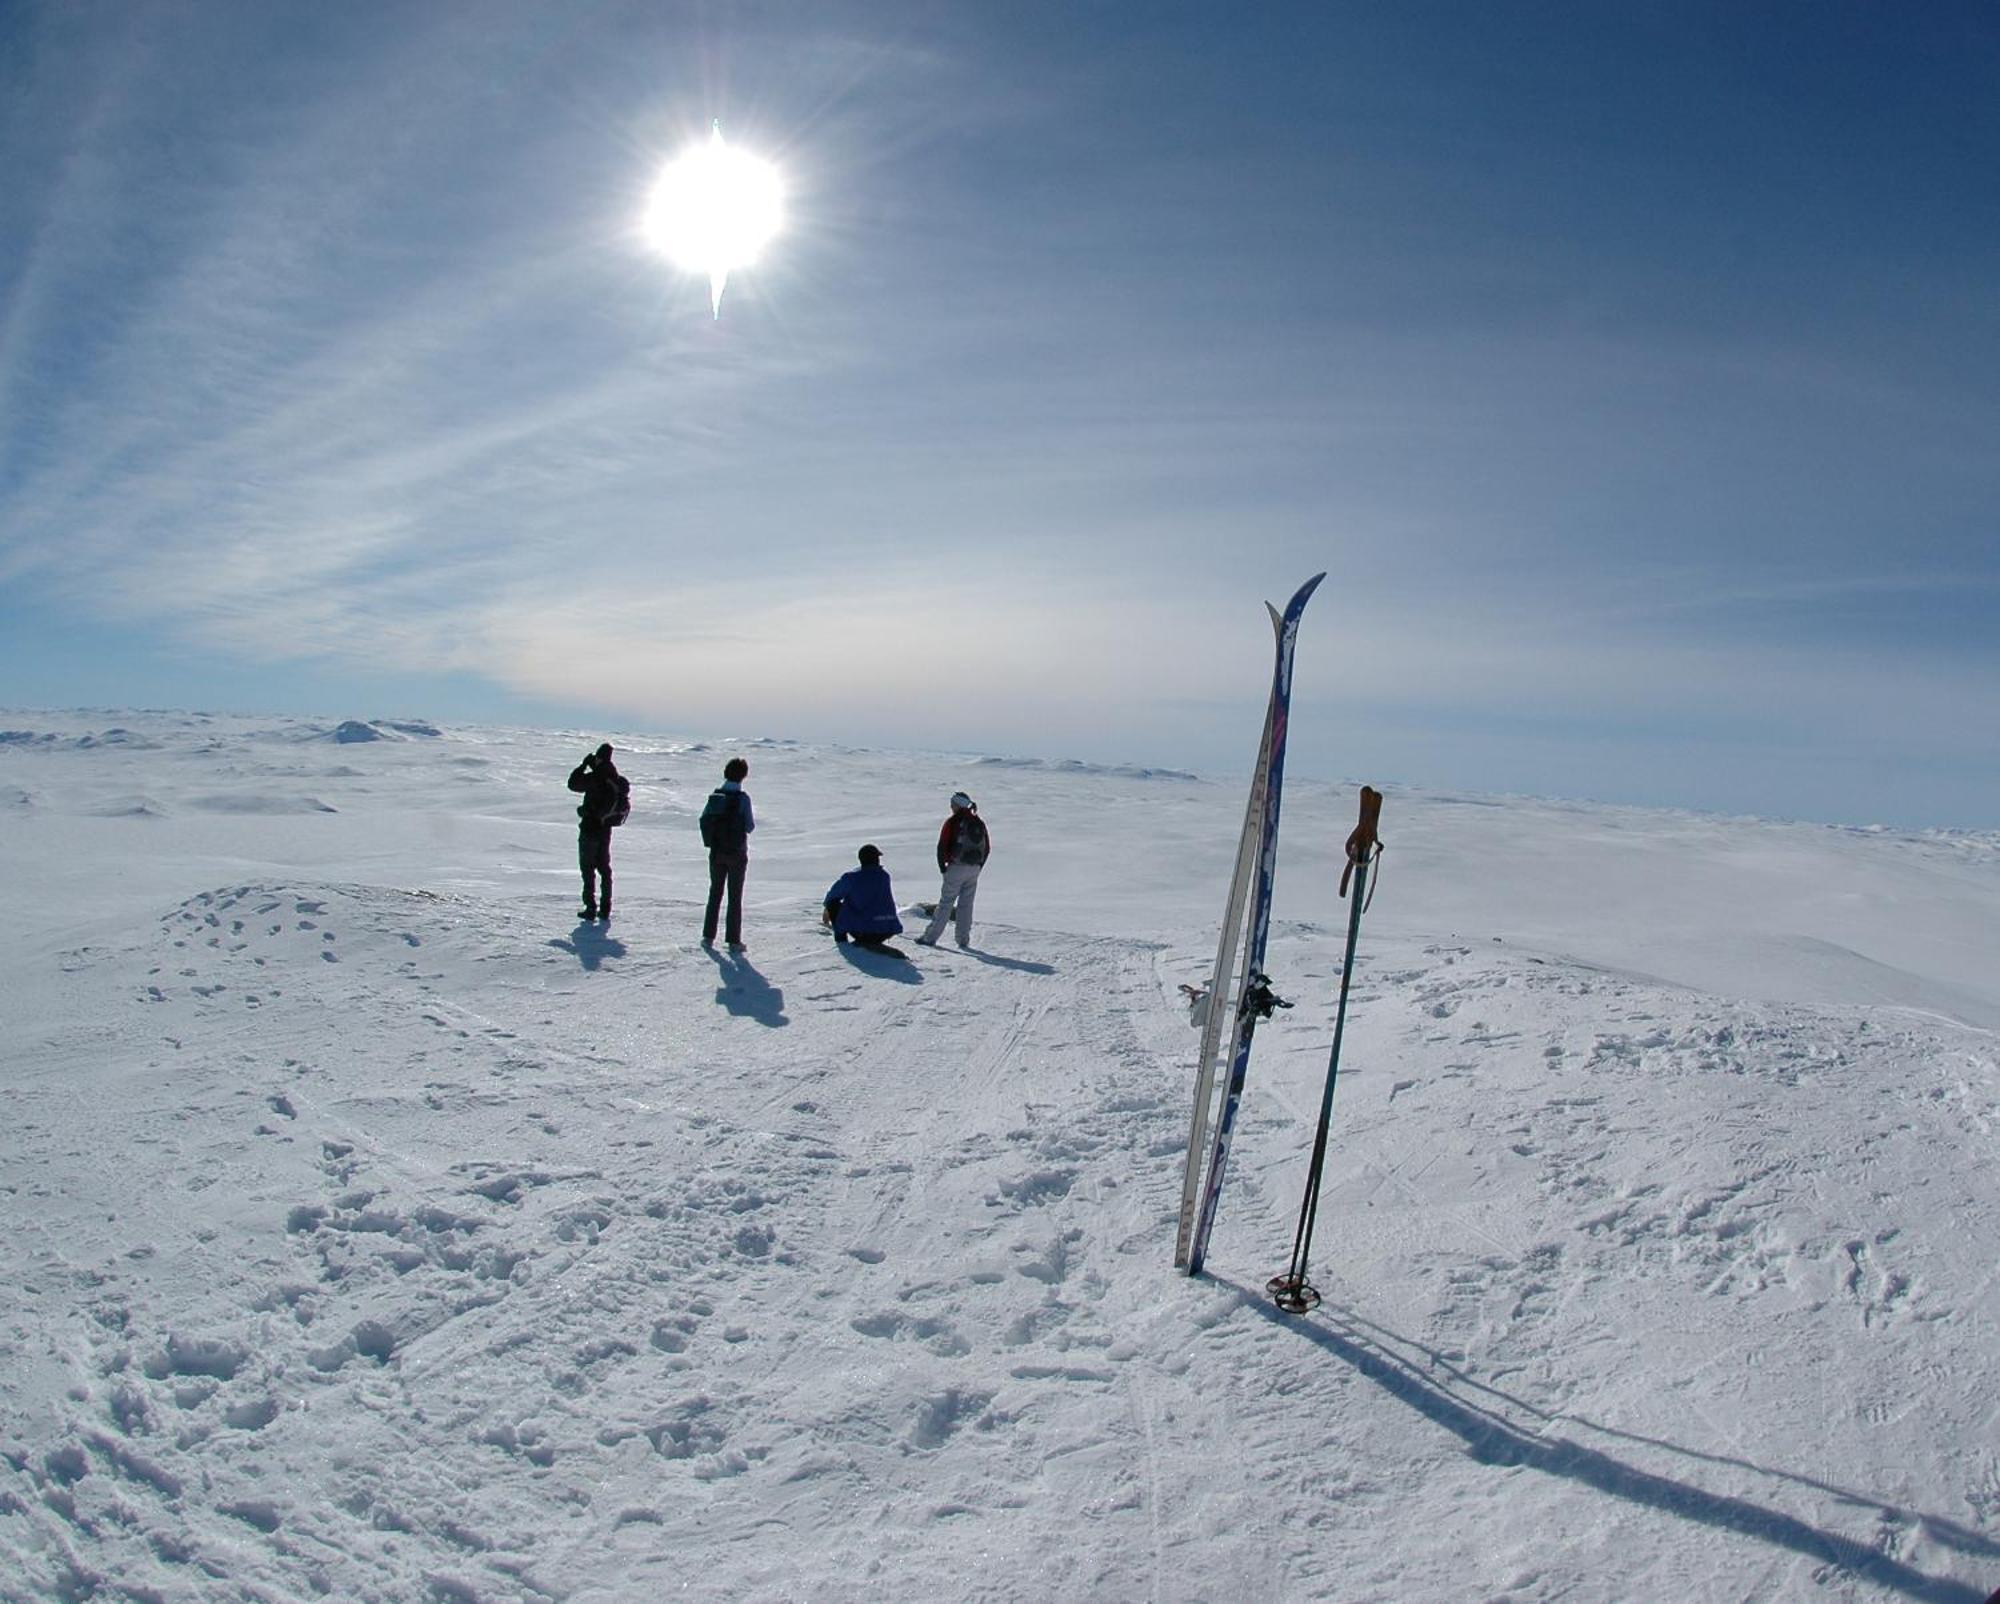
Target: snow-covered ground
{"points": [[375, 1231]]}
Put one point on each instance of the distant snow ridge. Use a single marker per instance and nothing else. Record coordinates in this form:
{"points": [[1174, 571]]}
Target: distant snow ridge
{"points": [[80, 743], [116, 737], [248, 802], [382, 729], [1070, 765]]}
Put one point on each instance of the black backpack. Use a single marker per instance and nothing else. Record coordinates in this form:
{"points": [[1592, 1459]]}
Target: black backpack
{"points": [[722, 821], [621, 803], [607, 801], [970, 846]]}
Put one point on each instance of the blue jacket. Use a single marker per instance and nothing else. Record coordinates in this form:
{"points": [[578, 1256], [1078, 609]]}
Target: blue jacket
{"points": [[863, 903]]}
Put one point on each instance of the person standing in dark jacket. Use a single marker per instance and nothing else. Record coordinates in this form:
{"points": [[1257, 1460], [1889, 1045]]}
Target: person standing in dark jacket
{"points": [[726, 823], [607, 798], [861, 906], [963, 846]]}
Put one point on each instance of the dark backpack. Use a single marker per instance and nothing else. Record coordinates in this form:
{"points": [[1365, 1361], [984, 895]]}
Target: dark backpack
{"points": [[607, 801], [970, 846], [621, 803], [722, 821]]}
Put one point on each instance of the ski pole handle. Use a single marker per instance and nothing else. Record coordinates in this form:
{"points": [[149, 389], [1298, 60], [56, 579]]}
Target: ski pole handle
{"points": [[1361, 844]]}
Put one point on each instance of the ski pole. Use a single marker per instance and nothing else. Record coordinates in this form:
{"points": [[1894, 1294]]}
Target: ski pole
{"points": [[1291, 1291]]}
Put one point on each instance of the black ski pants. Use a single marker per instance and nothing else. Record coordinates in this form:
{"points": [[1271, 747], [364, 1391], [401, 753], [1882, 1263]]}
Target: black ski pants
{"points": [[725, 873], [593, 856]]}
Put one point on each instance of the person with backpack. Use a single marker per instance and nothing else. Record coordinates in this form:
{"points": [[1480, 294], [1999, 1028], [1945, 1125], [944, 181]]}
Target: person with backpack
{"points": [[861, 906], [963, 847], [726, 823], [606, 804]]}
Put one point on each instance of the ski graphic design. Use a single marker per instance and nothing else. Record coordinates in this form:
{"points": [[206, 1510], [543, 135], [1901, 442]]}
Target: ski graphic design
{"points": [[1256, 873]]}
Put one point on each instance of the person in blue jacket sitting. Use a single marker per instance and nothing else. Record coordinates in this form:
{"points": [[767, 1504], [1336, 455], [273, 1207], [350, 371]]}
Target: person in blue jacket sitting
{"points": [[861, 905]]}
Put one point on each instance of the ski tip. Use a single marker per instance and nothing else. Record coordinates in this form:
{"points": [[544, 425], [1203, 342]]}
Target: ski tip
{"points": [[1299, 598]]}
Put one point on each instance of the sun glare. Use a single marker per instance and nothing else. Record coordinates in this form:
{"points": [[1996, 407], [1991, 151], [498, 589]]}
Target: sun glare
{"points": [[713, 210]]}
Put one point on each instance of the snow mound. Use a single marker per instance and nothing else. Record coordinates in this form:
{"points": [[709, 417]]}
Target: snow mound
{"points": [[1119, 771], [128, 807], [252, 802], [116, 738], [355, 731]]}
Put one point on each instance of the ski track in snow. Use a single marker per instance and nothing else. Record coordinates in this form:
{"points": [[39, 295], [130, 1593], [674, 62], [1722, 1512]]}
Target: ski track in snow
{"points": [[385, 1243]]}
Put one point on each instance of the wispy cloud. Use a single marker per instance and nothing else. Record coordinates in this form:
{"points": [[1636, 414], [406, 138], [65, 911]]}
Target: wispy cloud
{"points": [[325, 339]]}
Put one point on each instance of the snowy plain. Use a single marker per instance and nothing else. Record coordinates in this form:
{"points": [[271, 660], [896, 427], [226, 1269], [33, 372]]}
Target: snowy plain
{"points": [[374, 1230]]}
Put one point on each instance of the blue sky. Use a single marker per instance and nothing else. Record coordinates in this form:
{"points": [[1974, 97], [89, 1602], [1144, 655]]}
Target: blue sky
{"points": [[1631, 368]]}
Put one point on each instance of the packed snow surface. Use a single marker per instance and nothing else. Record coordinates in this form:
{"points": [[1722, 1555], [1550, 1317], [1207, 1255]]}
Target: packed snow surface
{"points": [[375, 1230]]}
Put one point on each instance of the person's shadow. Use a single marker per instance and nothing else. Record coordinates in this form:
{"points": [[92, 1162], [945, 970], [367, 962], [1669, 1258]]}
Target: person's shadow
{"points": [[590, 943], [880, 964], [1487, 1421], [745, 992], [1024, 965]]}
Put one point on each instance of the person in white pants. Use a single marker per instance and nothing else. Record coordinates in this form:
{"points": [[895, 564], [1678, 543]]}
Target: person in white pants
{"points": [[963, 847]]}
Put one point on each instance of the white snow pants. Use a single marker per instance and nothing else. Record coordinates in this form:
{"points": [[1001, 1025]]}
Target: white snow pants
{"points": [[961, 885]]}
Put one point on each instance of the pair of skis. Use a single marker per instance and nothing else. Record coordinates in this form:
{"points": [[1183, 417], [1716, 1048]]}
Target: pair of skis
{"points": [[1256, 866]]}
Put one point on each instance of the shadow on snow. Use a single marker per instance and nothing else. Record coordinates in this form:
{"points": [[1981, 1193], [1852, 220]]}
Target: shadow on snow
{"points": [[590, 944], [880, 964], [1024, 965], [1493, 1439], [745, 992]]}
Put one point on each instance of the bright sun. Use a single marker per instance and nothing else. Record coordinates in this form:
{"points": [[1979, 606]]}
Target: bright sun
{"points": [[713, 210]]}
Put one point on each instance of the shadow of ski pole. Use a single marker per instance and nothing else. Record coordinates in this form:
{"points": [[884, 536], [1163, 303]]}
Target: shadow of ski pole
{"points": [[1951, 1533], [1492, 1439]]}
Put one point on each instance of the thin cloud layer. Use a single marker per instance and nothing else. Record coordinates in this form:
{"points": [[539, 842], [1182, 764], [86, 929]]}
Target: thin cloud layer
{"points": [[327, 345]]}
